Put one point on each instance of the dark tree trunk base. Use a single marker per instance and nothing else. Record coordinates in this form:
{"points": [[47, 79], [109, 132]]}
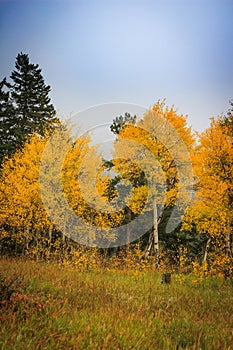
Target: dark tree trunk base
{"points": [[166, 278]]}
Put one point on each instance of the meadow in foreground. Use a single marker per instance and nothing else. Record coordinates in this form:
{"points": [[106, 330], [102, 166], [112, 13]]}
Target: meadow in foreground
{"points": [[48, 306]]}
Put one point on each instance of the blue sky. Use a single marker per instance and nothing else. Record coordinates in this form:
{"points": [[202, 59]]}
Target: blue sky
{"points": [[101, 51]]}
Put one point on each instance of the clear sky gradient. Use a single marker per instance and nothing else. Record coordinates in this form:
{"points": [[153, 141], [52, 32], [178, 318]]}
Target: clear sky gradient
{"points": [[134, 51]]}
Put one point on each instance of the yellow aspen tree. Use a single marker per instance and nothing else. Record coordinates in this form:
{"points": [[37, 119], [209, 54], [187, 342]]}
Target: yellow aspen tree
{"points": [[212, 212], [78, 209], [55, 184], [159, 144], [22, 214]]}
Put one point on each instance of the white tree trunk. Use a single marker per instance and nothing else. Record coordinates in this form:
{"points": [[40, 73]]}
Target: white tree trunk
{"points": [[156, 234], [206, 250]]}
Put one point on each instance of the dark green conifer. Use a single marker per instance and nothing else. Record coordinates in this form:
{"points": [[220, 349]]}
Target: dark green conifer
{"points": [[30, 94], [25, 106], [8, 122]]}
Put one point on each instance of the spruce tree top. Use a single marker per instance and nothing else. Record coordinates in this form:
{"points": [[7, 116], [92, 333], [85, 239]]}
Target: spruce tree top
{"points": [[25, 106], [31, 97]]}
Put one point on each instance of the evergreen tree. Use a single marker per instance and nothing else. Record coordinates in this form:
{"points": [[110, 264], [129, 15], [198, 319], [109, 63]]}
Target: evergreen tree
{"points": [[8, 121], [34, 111], [25, 106], [228, 120], [119, 122]]}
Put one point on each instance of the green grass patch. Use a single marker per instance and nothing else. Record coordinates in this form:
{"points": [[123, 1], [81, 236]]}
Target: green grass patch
{"points": [[55, 307]]}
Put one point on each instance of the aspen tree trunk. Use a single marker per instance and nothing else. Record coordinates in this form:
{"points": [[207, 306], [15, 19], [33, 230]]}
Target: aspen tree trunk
{"points": [[228, 244], [63, 246], [37, 244], [149, 245], [26, 248], [16, 245], [228, 251], [228, 240], [50, 241], [206, 250], [156, 234], [128, 234], [231, 243]]}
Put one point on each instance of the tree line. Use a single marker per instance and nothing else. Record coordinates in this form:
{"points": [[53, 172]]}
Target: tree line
{"points": [[159, 145]]}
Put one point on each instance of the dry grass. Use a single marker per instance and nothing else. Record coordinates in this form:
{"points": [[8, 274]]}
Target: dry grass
{"points": [[55, 307]]}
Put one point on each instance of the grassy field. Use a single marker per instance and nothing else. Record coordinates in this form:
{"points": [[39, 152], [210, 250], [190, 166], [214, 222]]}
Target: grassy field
{"points": [[47, 306]]}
